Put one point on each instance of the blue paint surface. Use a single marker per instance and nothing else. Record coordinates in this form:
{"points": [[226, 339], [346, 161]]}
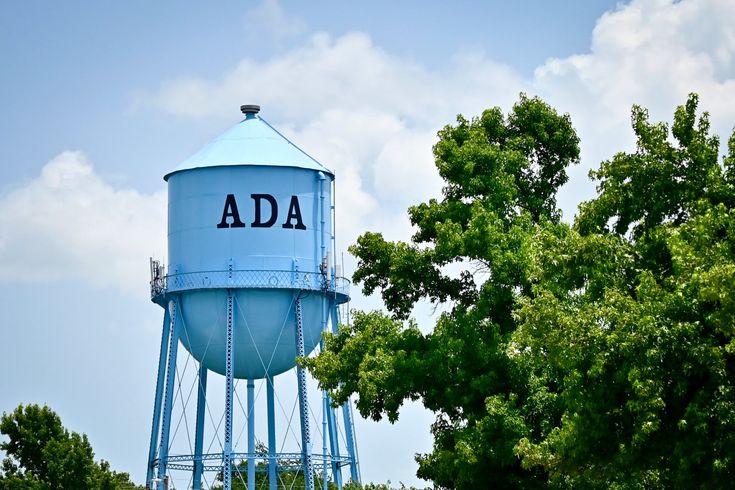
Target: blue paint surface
{"points": [[196, 205], [265, 267], [251, 142]]}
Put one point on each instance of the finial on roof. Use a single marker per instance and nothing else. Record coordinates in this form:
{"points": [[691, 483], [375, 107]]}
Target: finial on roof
{"points": [[250, 109]]}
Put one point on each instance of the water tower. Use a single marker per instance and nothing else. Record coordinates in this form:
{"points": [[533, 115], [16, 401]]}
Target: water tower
{"points": [[252, 283]]}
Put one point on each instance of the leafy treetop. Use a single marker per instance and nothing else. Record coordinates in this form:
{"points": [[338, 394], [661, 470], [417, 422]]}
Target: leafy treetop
{"points": [[592, 355], [42, 455]]}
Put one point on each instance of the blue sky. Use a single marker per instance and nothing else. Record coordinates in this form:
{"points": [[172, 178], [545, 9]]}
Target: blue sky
{"points": [[72, 74], [101, 99]]}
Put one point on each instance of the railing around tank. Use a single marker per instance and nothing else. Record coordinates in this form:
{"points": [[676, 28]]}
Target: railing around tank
{"points": [[255, 279], [213, 461]]}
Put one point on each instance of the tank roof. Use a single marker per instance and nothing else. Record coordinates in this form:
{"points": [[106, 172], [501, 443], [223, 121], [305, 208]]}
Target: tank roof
{"points": [[252, 141]]}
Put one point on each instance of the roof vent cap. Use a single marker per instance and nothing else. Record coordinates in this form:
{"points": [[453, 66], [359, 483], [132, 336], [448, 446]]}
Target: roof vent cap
{"points": [[250, 109]]}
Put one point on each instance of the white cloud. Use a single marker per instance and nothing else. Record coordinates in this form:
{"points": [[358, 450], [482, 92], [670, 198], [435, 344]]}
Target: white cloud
{"points": [[648, 52], [370, 116], [653, 52], [381, 167], [404, 169], [268, 17], [373, 117], [349, 74], [69, 223]]}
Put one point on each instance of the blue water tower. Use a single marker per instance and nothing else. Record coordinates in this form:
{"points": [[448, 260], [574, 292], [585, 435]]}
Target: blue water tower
{"points": [[252, 283]]}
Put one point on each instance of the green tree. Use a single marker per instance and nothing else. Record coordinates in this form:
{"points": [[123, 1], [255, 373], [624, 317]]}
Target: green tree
{"points": [[501, 177], [633, 308], [593, 355], [41, 455]]}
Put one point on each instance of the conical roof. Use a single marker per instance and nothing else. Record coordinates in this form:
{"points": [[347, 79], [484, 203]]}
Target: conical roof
{"points": [[252, 141]]}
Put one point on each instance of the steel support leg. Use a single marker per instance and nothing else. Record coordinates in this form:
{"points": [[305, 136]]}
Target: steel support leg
{"points": [[199, 436], [325, 407], [350, 436], [334, 443], [251, 434], [155, 426], [229, 373], [324, 440], [332, 426], [173, 346], [303, 403], [272, 449], [349, 428]]}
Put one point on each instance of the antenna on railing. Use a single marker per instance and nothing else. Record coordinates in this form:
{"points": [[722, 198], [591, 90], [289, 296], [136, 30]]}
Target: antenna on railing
{"points": [[158, 275], [157, 270]]}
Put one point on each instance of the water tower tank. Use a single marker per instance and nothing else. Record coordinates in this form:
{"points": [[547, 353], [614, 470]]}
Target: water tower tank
{"points": [[251, 286], [250, 217]]}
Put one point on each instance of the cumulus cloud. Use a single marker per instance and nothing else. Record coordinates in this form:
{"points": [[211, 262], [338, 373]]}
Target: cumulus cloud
{"points": [[269, 17], [69, 223], [349, 74], [381, 165], [372, 117], [651, 53], [369, 115]]}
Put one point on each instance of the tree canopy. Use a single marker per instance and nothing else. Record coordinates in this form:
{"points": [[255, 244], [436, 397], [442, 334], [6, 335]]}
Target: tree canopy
{"points": [[596, 354], [42, 455]]}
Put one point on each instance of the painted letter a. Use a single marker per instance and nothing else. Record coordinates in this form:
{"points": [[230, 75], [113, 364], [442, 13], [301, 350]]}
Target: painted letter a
{"points": [[230, 211], [294, 213]]}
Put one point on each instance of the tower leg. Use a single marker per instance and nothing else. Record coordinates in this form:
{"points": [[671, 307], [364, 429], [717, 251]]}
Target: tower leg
{"points": [[325, 408], [199, 436], [169, 394], [155, 426], [251, 434], [272, 449], [303, 403], [229, 367], [334, 443], [349, 434], [332, 425]]}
